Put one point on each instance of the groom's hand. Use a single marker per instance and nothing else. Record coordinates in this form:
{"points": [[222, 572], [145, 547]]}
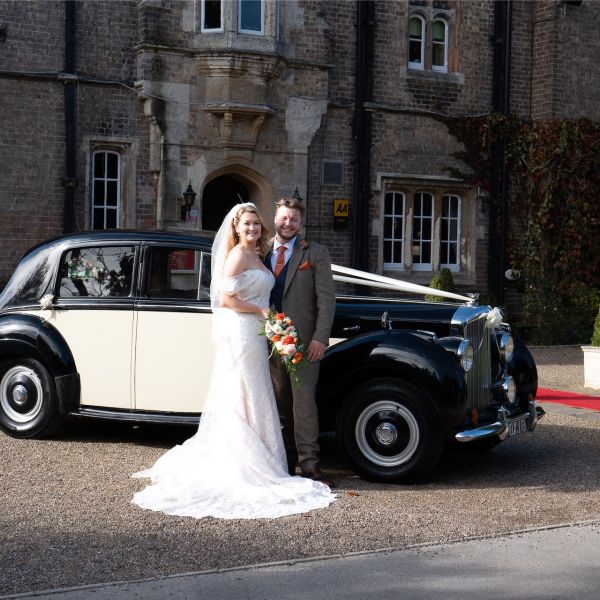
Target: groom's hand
{"points": [[316, 350]]}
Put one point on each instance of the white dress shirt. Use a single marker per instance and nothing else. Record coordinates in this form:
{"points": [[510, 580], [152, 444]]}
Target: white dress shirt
{"points": [[289, 246]]}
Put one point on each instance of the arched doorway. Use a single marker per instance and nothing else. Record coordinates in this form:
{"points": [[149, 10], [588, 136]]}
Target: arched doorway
{"points": [[218, 197]]}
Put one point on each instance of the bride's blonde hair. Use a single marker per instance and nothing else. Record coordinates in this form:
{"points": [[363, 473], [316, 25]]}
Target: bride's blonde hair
{"points": [[233, 238]]}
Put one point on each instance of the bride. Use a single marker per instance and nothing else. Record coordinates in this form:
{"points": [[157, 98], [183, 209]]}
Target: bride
{"points": [[235, 466]]}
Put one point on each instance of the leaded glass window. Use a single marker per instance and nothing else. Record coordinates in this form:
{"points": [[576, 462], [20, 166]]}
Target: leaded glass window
{"points": [[393, 230], [422, 233], [106, 190]]}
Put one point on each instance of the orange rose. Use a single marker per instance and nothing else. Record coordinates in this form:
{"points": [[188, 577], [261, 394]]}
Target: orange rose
{"points": [[298, 357], [275, 338], [288, 339], [280, 316]]}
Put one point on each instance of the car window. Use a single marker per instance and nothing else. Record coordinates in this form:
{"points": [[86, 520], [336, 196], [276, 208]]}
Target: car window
{"points": [[97, 272], [178, 273]]}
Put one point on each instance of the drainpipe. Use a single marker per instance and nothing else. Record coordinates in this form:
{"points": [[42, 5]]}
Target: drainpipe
{"points": [[504, 183], [498, 208], [361, 188], [69, 181], [161, 221]]}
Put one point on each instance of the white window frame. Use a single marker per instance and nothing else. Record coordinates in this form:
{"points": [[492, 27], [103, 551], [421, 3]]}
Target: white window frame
{"points": [[414, 65], [262, 19], [440, 68], [394, 215], [212, 29], [103, 204], [422, 266], [445, 232]]}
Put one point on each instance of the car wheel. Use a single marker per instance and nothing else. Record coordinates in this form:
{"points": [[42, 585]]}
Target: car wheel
{"points": [[28, 402], [390, 431]]}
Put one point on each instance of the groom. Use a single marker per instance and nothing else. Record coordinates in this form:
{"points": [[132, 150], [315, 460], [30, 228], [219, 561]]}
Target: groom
{"points": [[304, 291]]}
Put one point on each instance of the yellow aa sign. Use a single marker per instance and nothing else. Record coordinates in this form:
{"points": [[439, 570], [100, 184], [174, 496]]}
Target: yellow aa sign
{"points": [[341, 208]]}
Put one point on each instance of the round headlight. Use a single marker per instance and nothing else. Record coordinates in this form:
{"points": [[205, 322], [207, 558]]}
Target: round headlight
{"points": [[507, 347], [510, 389], [465, 354]]}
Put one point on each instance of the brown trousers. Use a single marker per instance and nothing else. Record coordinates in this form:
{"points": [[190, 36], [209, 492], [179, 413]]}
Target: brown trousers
{"points": [[298, 414]]}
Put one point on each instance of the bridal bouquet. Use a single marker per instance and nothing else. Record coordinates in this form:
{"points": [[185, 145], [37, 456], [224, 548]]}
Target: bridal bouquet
{"points": [[284, 341]]}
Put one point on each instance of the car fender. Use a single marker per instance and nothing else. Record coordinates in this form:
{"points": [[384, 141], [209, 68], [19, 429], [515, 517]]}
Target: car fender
{"points": [[401, 355], [31, 336], [522, 368]]}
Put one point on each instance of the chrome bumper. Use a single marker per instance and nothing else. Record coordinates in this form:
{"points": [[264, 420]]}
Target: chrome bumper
{"points": [[505, 426]]}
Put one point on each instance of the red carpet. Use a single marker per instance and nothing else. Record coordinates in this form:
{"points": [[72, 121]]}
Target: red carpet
{"points": [[568, 398]]}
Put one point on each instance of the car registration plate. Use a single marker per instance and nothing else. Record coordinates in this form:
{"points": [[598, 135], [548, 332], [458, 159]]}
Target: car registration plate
{"points": [[517, 426]]}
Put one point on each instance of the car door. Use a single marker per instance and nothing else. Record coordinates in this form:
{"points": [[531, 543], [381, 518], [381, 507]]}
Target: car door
{"points": [[173, 342], [94, 312]]}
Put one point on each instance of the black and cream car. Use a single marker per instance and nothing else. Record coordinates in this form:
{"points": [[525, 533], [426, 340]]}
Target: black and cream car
{"points": [[117, 325]]}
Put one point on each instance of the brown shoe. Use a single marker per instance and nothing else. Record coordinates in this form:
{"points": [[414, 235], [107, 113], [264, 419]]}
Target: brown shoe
{"points": [[292, 463], [318, 475]]}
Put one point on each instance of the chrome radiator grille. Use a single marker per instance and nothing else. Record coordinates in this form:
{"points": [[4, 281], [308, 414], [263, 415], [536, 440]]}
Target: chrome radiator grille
{"points": [[471, 323]]}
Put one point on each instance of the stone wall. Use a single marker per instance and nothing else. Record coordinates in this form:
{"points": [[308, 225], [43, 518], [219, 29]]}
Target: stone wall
{"points": [[108, 114], [182, 106]]}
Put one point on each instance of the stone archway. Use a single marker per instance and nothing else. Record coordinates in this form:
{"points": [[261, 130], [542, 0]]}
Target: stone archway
{"points": [[228, 186], [219, 195]]}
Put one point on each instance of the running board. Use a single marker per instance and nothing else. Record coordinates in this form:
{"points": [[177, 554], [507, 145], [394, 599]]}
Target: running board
{"points": [[138, 417]]}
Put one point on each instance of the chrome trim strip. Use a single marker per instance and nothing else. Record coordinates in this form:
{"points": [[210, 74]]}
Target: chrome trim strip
{"points": [[138, 417], [465, 314], [473, 327], [479, 433], [500, 427]]}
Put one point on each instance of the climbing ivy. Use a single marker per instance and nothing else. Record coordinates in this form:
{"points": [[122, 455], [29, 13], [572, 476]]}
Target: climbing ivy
{"points": [[554, 236]]}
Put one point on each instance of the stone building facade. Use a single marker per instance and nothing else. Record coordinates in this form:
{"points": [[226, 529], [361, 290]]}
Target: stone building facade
{"points": [[109, 111]]}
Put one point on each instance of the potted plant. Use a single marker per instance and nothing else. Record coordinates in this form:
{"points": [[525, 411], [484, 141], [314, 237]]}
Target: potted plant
{"points": [[442, 280], [591, 358]]}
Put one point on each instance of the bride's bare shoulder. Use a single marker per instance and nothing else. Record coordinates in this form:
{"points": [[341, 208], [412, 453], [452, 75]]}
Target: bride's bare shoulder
{"points": [[235, 264]]}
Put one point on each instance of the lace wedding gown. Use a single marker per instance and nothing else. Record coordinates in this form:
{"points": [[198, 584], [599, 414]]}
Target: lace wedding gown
{"points": [[235, 466]]}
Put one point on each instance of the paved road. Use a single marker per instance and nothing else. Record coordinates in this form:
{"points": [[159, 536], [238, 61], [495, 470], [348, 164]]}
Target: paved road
{"points": [[66, 520], [558, 563]]}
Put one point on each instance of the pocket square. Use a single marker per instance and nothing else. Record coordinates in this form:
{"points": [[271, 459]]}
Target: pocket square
{"points": [[304, 266]]}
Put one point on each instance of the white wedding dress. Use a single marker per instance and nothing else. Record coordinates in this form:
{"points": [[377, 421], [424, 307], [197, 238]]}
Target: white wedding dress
{"points": [[235, 466]]}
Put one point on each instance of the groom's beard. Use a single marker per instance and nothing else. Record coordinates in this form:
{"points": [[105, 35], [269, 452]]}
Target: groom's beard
{"points": [[286, 237]]}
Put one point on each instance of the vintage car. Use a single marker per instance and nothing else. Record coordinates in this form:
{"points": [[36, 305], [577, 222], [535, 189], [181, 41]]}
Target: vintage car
{"points": [[117, 325]]}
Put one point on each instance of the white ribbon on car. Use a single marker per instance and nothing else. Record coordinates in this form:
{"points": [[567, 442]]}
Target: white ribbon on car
{"points": [[46, 301], [347, 275], [494, 318]]}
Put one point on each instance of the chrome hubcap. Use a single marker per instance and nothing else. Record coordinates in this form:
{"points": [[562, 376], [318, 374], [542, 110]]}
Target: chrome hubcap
{"points": [[21, 394], [387, 433]]}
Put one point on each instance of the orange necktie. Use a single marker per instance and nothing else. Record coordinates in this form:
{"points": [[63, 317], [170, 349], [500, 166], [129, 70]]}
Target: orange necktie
{"points": [[280, 261]]}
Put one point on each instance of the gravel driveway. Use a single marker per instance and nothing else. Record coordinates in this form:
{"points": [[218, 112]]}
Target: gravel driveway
{"points": [[66, 517]]}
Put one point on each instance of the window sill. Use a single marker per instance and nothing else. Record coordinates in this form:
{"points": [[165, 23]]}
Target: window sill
{"points": [[423, 277], [428, 75]]}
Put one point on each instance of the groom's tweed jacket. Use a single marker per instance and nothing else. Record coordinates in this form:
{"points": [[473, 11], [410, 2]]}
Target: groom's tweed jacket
{"points": [[308, 296]]}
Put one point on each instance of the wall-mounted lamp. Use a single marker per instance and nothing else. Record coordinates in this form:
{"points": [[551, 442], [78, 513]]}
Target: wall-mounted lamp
{"points": [[296, 195], [189, 196]]}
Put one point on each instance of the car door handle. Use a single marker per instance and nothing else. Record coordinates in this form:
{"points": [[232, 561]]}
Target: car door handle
{"points": [[353, 328]]}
